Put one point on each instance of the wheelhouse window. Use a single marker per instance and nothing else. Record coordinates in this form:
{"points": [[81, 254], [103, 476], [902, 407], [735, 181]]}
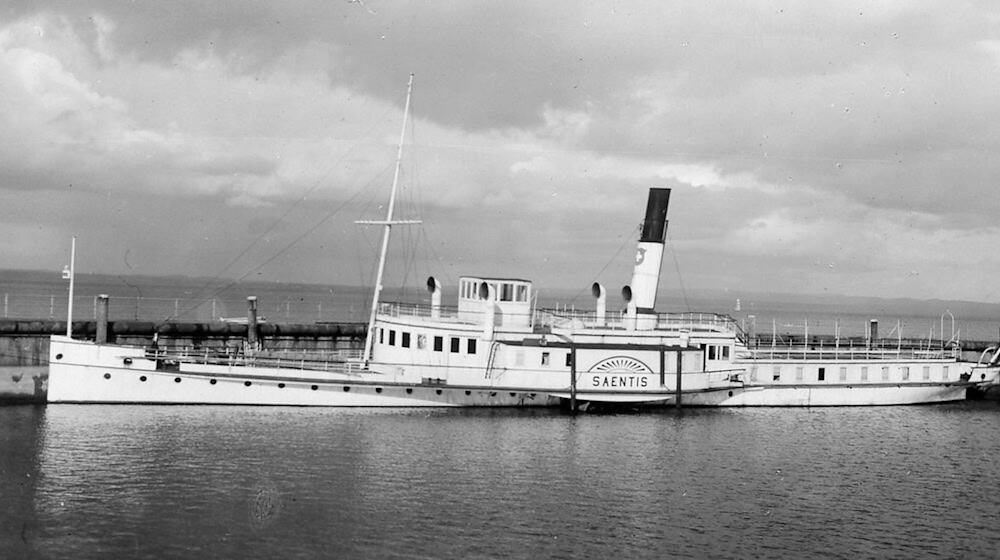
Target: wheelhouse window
{"points": [[506, 292], [522, 293]]}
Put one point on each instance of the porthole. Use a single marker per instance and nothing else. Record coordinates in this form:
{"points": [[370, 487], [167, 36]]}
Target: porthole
{"points": [[314, 387], [213, 381], [58, 356], [409, 391], [513, 394], [467, 393], [531, 395], [378, 389], [177, 380], [346, 389], [438, 391], [281, 385], [107, 376], [730, 393], [142, 378], [247, 383], [493, 394]]}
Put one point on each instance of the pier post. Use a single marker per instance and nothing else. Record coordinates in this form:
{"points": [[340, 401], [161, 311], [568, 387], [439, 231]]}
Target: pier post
{"points": [[663, 367], [102, 319], [251, 323], [572, 379], [680, 362]]}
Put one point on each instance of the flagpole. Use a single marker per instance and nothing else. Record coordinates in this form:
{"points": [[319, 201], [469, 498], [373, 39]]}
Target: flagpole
{"points": [[72, 274]]}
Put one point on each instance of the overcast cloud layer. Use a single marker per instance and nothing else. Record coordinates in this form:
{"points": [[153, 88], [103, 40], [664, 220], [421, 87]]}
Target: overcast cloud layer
{"points": [[812, 148]]}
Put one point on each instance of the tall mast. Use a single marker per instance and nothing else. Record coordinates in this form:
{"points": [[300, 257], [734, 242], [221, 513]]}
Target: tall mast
{"points": [[388, 223]]}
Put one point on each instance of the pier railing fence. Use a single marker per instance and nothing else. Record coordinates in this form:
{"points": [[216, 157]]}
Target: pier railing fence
{"points": [[288, 309]]}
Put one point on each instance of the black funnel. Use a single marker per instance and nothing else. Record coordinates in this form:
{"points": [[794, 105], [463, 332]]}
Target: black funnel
{"points": [[654, 227]]}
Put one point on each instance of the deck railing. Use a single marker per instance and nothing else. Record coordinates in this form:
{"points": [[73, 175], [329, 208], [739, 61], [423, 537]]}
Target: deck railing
{"points": [[346, 362], [849, 351], [571, 318]]}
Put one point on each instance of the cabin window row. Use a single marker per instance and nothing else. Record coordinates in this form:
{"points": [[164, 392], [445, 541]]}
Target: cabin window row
{"points": [[865, 373], [404, 339], [503, 291]]}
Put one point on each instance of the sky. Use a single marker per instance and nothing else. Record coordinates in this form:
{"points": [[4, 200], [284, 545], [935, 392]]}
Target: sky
{"points": [[812, 148]]}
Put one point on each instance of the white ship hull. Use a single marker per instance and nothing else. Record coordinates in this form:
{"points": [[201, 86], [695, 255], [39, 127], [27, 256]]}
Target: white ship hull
{"points": [[84, 372]]}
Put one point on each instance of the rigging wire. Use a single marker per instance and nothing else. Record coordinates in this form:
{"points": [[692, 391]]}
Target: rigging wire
{"points": [[627, 239], [680, 278], [316, 184], [314, 227]]}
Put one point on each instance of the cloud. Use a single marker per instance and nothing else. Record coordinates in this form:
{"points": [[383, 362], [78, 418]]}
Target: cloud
{"points": [[795, 136]]}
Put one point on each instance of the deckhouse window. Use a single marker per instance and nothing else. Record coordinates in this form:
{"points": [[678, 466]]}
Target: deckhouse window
{"points": [[821, 374], [906, 373], [405, 342], [944, 373], [569, 359], [392, 338], [711, 351], [471, 347], [455, 344], [777, 373], [927, 373], [545, 358], [843, 373], [725, 352], [864, 373], [507, 292], [438, 344], [381, 335], [421, 341], [885, 373]]}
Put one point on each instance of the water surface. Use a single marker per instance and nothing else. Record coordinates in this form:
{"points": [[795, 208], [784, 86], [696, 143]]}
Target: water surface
{"points": [[94, 481]]}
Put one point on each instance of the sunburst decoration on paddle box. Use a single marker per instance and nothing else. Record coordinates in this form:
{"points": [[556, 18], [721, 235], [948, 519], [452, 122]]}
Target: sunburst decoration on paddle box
{"points": [[621, 364]]}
